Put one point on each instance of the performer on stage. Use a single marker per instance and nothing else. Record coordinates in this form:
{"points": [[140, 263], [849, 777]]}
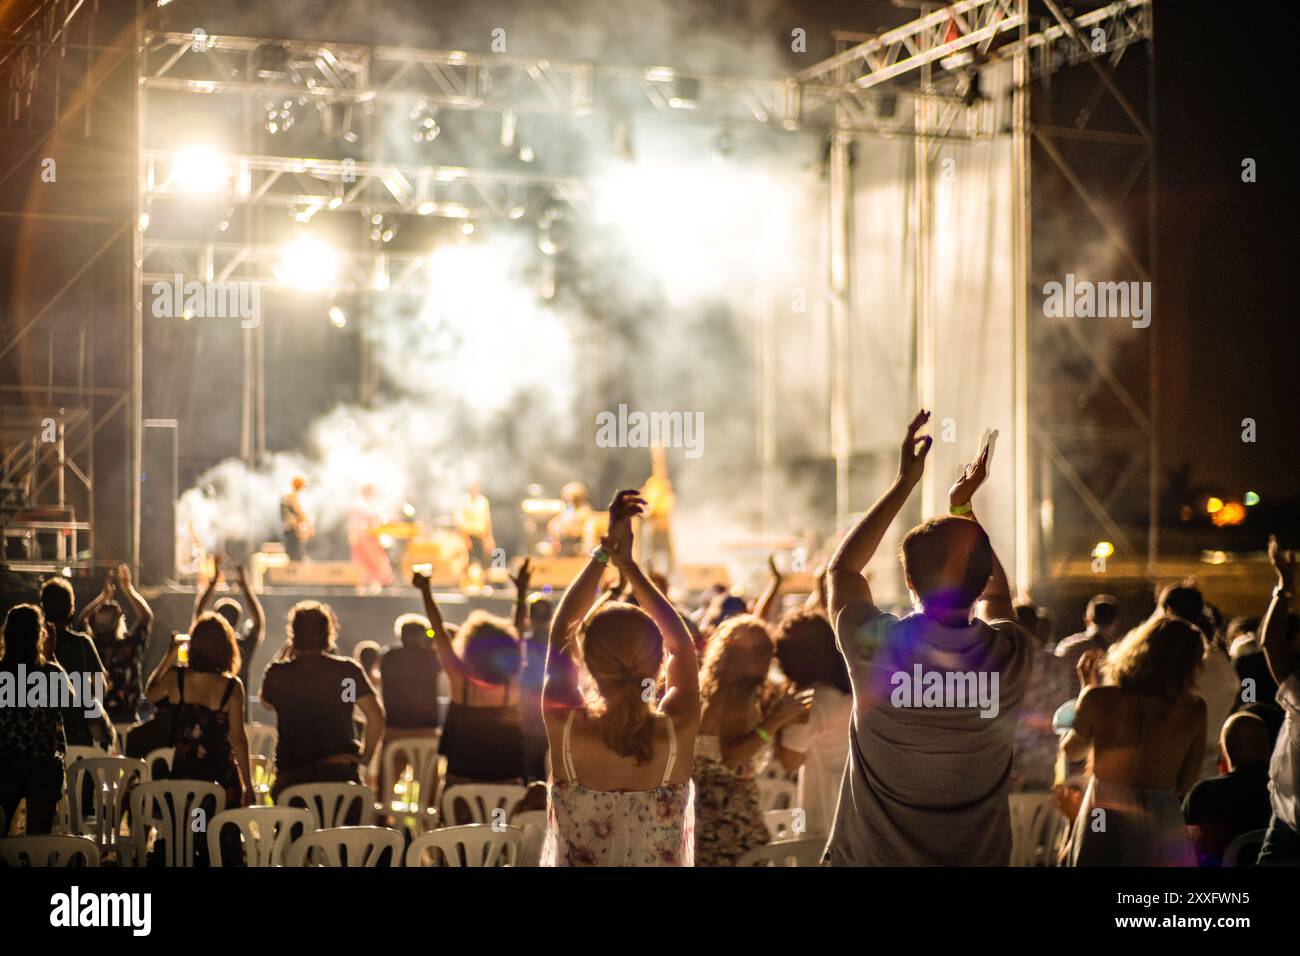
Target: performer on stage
{"points": [[474, 520], [655, 536], [368, 555], [295, 527], [568, 530]]}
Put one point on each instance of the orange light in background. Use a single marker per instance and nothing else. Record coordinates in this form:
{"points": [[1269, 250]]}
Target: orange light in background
{"points": [[1103, 549], [1232, 513], [1214, 506], [1186, 513]]}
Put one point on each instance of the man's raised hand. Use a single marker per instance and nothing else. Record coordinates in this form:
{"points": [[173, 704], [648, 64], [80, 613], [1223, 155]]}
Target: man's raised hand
{"points": [[974, 475], [911, 458]]}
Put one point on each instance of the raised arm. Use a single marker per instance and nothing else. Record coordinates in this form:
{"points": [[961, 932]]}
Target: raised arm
{"points": [[255, 612], [205, 597], [816, 600], [995, 603], [106, 593], [847, 584], [143, 612], [447, 656], [520, 582], [763, 606], [682, 696], [560, 685], [1279, 652]]}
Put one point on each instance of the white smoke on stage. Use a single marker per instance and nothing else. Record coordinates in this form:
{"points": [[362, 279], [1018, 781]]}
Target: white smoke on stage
{"points": [[647, 290]]}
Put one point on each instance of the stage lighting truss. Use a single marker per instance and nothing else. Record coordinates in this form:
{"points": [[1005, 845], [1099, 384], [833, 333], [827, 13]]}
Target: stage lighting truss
{"points": [[304, 187], [305, 265], [425, 81]]}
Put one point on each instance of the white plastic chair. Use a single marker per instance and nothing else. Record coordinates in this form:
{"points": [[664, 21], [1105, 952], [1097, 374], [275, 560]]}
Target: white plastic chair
{"points": [[475, 844], [266, 832], [1234, 851], [532, 824], [49, 851], [329, 803], [262, 739], [1036, 825], [346, 847], [780, 824], [785, 853], [111, 779], [417, 800], [776, 794], [159, 755], [63, 813], [168, 807], [481, 799]]}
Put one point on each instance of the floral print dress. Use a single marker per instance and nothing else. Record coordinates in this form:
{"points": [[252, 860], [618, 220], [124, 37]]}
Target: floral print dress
{"points": [[587, 827], [729, 818]]}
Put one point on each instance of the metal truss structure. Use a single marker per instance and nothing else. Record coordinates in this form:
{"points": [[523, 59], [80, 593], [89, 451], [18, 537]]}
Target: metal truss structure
{"points": [[915, 81]]}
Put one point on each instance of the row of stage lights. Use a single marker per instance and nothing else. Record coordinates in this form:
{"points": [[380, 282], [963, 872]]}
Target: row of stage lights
{"points": [[308, 264]]}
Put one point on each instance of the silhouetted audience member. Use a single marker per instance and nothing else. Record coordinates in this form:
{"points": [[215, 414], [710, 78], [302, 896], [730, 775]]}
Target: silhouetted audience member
{"points": [[1100, 630], [1223, 808], [32, 740], [75, 652], [314, 692], [122, 649], [928, 774]]}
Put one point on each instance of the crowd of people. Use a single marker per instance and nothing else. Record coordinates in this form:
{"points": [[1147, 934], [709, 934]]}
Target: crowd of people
{"points": [[648, 727]]}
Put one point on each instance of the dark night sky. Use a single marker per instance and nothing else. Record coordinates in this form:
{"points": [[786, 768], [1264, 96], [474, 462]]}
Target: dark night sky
{"points": [[1227, 254]]}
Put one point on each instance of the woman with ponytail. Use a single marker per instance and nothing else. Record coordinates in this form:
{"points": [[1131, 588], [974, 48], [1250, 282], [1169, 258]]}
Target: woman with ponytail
{"points": [[621, 752]]}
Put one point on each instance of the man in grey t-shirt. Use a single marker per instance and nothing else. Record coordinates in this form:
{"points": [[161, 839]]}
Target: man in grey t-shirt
{"points": [[935, 694]]}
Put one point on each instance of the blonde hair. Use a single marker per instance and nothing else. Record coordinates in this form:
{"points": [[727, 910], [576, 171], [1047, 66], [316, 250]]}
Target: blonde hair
{"points": [[622, 650], [727, 647], [1161, 657]]}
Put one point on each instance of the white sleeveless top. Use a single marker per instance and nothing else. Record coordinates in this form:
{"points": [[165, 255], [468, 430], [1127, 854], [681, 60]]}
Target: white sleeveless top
{"points": [[587, 827]]}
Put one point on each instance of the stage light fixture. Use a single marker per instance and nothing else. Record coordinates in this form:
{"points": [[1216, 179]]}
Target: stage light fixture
{"points": [[425, 208], [308, 265], [1103, 549], [1213, 506], [1252, 499], [467, 228], [271, 61], [685, 93], [425, 120], [509, 123], [338, 317], [199, 171]]}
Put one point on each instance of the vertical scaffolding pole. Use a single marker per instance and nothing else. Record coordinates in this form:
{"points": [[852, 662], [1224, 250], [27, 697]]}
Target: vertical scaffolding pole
{"points": [[1153, 413], [135, 417], [1020, 272], [841, 201], [923, 358]]}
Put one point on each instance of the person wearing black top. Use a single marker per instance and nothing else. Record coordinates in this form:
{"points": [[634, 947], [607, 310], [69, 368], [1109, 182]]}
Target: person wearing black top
{"points": [[482, 739], [313, 693], [75, 652], [1222, 808]]}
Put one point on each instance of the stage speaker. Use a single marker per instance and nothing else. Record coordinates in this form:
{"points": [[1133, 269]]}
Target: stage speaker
{"points": [[158, 493]]}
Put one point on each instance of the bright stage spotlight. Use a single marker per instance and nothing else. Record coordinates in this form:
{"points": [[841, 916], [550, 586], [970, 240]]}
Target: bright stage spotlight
{"points": [[338, 317], [308, 265], [199, 171]]}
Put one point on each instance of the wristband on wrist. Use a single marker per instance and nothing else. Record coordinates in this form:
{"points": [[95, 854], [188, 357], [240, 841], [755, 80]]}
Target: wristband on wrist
{"points": [[600, 554], [762, 734], [959, 509], [1281, 592]]}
